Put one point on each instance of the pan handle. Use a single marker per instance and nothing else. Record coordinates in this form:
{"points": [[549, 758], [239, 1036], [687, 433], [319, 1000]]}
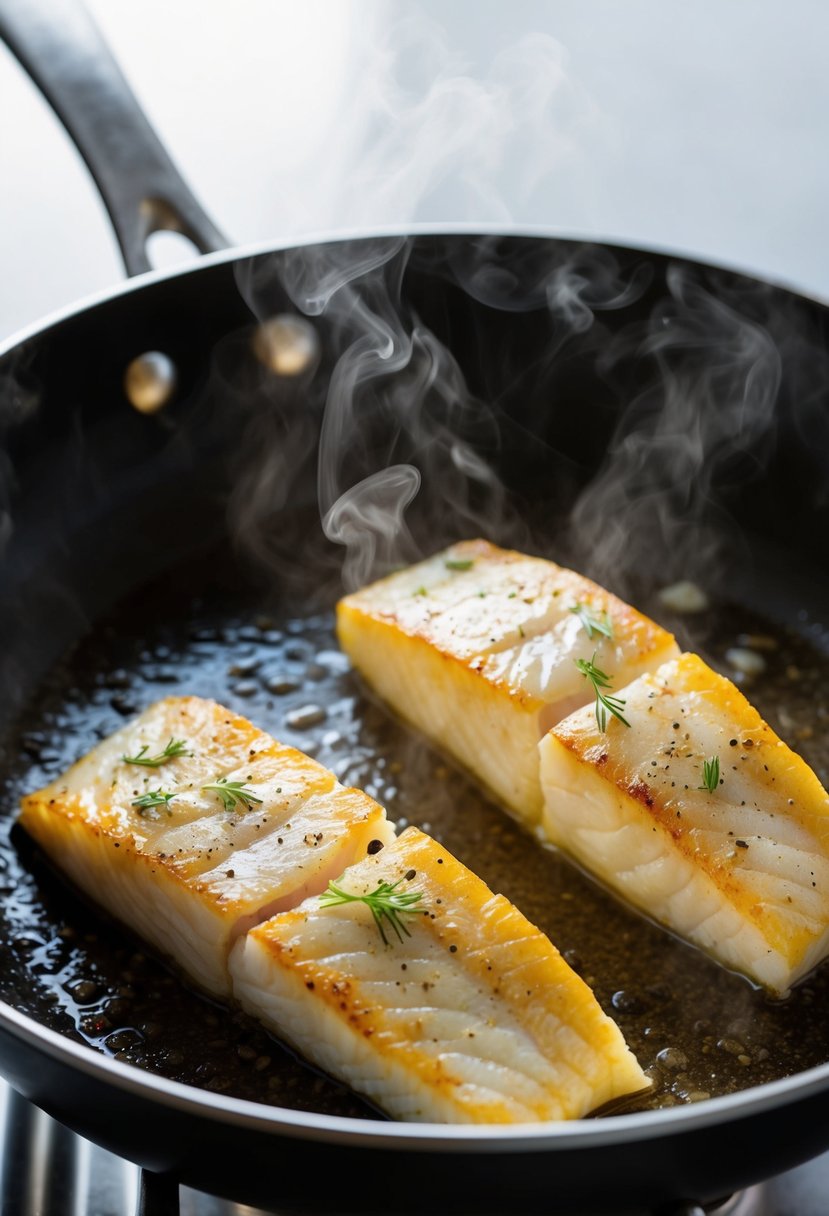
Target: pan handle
{"points": [[61, 48]]}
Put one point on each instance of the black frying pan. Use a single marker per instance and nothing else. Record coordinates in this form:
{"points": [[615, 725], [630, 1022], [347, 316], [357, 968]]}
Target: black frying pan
{"points": [[570, 376]]}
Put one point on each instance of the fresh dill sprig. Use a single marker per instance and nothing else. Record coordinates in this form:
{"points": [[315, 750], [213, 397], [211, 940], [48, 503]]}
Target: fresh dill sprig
{"points": [[600, 680], [593, 622], [459, 563], [175, 747], [231, 793], [710, 774], [386, 904], [152, 798]]}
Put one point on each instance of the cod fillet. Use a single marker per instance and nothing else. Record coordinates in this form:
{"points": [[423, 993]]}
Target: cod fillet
{"points": [[469, 1015], [477, 648], [191, 873], [700, 816]]}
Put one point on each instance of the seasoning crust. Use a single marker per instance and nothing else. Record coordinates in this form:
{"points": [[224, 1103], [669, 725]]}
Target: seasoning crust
{"points": [[190, 874], [476, 647], [701, 816], [471, 1016]]}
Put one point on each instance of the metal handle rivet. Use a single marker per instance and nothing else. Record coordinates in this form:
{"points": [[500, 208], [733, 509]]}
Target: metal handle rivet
{"points": [[150, 381], [287, 345]]}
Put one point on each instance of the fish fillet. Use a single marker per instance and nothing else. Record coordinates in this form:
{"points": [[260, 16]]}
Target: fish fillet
{"points": [[741, 869], [474, 1017], [190, 876], [476, 647]]}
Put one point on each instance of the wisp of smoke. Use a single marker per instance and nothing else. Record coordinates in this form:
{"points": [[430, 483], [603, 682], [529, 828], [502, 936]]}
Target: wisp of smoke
{"points": [[705, 421], [401, 438], [418, 120], [425, 137]]}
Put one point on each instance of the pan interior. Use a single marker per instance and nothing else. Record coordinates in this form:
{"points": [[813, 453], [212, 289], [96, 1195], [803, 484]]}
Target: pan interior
{"points": [[211, 629], [108, 509]]}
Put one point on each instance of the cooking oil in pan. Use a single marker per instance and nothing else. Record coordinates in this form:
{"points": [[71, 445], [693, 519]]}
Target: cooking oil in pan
{"points": [[698, 1030]]}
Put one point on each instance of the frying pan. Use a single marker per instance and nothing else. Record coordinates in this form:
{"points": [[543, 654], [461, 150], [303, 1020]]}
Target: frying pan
{"points": [[97, 499]]}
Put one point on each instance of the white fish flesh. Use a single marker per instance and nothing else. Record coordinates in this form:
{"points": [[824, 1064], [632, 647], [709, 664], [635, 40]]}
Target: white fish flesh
{"points": [[192, 873], [477, 648], [468, 1015], [699, 815]]}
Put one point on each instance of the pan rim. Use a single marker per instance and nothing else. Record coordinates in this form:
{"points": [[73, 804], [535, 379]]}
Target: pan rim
{"points": [[424, 1137], [240, 253]]}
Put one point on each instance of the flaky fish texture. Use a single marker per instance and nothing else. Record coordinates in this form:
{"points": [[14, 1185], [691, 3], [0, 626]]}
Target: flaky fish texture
{"points": [[189, 876], [477, 648], [470, 1015], [741, 868]]}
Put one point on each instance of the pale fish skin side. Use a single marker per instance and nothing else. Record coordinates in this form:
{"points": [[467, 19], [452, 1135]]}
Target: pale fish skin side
{"points": [[476, 648], [191, 877], [473, 1018], [743, 871]]}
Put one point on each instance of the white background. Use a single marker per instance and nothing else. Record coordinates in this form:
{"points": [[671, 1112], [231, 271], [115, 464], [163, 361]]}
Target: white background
{"points": [[695, 126]]}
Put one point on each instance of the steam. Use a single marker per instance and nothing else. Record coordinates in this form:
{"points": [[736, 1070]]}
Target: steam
{"points": [[424, 136], [397, 414], [703, 426], [369, 520], [408, 457], [397, 394]]}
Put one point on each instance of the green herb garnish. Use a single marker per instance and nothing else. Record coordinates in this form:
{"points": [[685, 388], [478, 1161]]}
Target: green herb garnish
{"points": [[459, 563], [386, 904], [593, 622], [600, 680], [710, 774], [231, 793], [152, 798], [175, 747]]}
